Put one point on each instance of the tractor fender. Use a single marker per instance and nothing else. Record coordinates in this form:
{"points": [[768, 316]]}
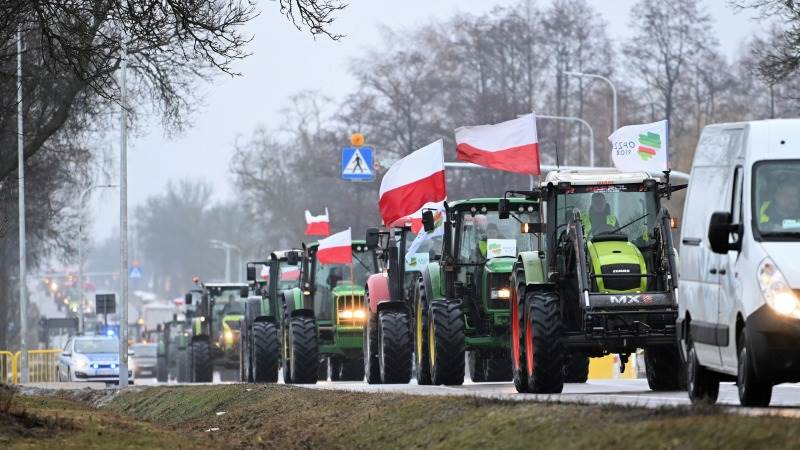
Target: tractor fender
{"points": [[252, 309], [431, 276], [531, 267], [293, 304], [265, 319], [201, 337], [378, 289], [393, 305]]}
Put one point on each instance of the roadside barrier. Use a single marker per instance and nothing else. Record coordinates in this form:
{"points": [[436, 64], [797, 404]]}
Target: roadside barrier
{"points": [[8, 367], [42, 365]]}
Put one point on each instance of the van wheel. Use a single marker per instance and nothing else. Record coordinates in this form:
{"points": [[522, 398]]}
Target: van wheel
{"points": [[752, 391], [702, 384]]}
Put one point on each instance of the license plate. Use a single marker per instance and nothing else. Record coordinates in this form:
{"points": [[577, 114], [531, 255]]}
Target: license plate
{"points": [[107, 372]]}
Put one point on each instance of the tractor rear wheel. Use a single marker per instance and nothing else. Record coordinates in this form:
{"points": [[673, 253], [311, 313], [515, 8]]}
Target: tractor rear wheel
{"points": [[266, 353], [303, 350], [576, 368], [497, 369], [422, 364], [544, 352], [352, 369], [396, 347], [372, 366], [476, 366], [161, 369], [202, 371], [519, 372], [664, 368], [446, 343]]}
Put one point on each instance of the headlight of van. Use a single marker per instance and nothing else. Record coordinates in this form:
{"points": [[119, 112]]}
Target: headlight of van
{"points": [[776, 291]]}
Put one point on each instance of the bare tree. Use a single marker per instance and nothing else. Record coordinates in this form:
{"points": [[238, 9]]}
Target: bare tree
{"points": [[782, 59]]}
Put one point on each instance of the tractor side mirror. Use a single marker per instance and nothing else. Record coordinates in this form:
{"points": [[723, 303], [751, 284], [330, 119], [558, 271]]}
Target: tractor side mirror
{"points": [[531, 227], [244, 292], [292, 258], [503, 208], [251, 273], [187, 299], [372, 237], [427, 221], [720, 228]]}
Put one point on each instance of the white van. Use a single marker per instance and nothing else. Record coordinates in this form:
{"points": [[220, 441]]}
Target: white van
{"points": [[739, 310]]}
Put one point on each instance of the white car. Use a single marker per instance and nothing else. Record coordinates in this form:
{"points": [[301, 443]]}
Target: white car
{"points": [[739, 316], [91, 358]]}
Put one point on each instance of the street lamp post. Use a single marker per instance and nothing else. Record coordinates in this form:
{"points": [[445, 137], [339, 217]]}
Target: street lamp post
{"points": [[613, 91], [23, 301], [227, 247], [81, 294], [123, 220]]}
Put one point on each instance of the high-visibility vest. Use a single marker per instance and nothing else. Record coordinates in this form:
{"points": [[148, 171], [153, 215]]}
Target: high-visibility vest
{"points": [[762, 212], [611, 220]]}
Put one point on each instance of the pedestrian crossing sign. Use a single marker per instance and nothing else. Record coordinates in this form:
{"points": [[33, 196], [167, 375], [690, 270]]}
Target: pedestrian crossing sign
{"points": [[357, 164]]}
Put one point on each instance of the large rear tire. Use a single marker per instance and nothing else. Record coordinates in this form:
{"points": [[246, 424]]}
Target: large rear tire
{"points": [[752, 390], [372, 366], [702, 384], [422, 365], [303, 350], [396, 347], [202, 371], [446, 343], [266, 353], [544, 351], [664, 368], [576, 368], [519, 373]]}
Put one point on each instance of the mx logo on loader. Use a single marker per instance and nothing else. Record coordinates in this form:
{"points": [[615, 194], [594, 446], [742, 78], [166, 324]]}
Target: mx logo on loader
{"points": [[625, 299]]}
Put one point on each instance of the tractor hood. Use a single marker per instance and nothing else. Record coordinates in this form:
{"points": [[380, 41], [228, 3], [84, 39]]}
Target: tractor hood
{"points": [[503, 264], [348, 289]]}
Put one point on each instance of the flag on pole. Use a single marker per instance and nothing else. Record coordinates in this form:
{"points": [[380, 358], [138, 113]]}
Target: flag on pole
{"points": [[264, 272], [412, 183], [336, 249], [641, 147], [317, 225], [512, 146]]}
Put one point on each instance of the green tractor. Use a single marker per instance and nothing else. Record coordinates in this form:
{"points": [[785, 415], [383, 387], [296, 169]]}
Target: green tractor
{"points": [[260, 350], [605, 283], [214, 342], [323, 319], [173, 342], [462, 301]]}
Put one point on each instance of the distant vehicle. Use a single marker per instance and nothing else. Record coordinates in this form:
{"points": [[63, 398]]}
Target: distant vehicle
{"points": [[739, 317], [155, 314], [143, 361], [91, 358]]}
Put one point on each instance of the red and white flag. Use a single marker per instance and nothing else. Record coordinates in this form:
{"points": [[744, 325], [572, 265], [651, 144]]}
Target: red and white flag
{"points": [[512, 146], [264, 272], [317, 225], [413, 182], [290, 273], [336, 249]]}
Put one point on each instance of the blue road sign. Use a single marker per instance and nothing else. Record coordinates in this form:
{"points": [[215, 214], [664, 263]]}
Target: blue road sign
{"points": [[357, 164], [135, 273]]}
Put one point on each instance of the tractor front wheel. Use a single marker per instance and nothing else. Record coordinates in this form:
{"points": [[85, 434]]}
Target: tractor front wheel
{"points": [[266, 353], [202, 372], [519, 372], [664, 368], [476, 366], [544, 352], [352, 369], [576, 368], [303, 350], [446, 344], [497, 369], [421, 348], [396, 347]]}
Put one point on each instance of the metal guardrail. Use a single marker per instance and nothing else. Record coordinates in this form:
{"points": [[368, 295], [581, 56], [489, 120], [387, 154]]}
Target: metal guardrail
{"points": [[42, 366]]}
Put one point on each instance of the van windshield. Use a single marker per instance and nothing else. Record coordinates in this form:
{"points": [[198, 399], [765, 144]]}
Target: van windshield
{"points": [[777, 198]]}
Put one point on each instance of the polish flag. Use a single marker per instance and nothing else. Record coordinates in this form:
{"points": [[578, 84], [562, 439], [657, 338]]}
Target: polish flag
{"points": [[317, 225], [264, 272], [290, 273], [512, 146], [413, 182], [336, 249]]}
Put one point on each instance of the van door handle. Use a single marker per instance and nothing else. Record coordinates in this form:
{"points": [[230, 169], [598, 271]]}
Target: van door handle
{"points": [[722, 271], [713, 271], [691, 241]]}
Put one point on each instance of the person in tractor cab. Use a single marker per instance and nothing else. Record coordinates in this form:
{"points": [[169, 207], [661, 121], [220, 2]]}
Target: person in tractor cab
{"points": [[599, 218], [334, 277], [490, 233], [784, 209]]}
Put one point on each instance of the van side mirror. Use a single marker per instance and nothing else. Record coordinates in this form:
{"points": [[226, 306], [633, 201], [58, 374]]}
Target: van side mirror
{"points": [[427, 221], [292, 258], [251, 273], [720, 228], [244, 292], [187, 299], [372, 237], [503, 208]]}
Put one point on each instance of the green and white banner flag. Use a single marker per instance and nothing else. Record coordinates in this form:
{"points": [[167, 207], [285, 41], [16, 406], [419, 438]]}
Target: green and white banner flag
{"points": [[641, 147]]}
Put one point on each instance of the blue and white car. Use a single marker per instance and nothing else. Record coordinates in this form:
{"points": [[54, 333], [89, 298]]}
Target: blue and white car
{"points": [[90, 358]]}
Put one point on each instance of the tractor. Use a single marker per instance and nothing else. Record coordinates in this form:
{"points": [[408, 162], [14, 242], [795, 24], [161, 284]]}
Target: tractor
{"points": [[323, 318], [215, 332], [172, 344], [605, 282], [462, 300], [260, 350]]}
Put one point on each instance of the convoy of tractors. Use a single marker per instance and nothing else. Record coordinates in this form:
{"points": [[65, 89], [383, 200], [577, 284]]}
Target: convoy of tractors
{"points": [[525, 287]]}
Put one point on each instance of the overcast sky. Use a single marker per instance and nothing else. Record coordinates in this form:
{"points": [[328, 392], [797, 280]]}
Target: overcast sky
{"points": [[285, 61]]}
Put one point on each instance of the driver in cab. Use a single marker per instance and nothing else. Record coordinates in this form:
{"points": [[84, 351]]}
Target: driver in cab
{"points": [[599, 218]]}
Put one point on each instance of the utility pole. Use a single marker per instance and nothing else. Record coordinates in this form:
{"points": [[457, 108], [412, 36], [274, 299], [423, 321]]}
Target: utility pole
{"points": [[81, 293], [227, 247], [123, 220], [23, 301]]}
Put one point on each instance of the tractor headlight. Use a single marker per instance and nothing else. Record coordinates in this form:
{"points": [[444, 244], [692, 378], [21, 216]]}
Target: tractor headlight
{"points": [[359, 314], [501, 294], [350, 314], [228, 336], [776, 291]]}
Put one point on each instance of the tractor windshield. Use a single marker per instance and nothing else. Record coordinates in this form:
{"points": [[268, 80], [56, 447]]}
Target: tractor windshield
{"points": [[290, 276], [484, 236], [626, 209], [328, 276]]}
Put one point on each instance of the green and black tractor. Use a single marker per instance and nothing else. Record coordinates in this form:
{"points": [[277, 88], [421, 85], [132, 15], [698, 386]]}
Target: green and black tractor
{"points": [[462, 300], [173, 342], [323, 319], [260, 349], [214, 334], [605, 282]]}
